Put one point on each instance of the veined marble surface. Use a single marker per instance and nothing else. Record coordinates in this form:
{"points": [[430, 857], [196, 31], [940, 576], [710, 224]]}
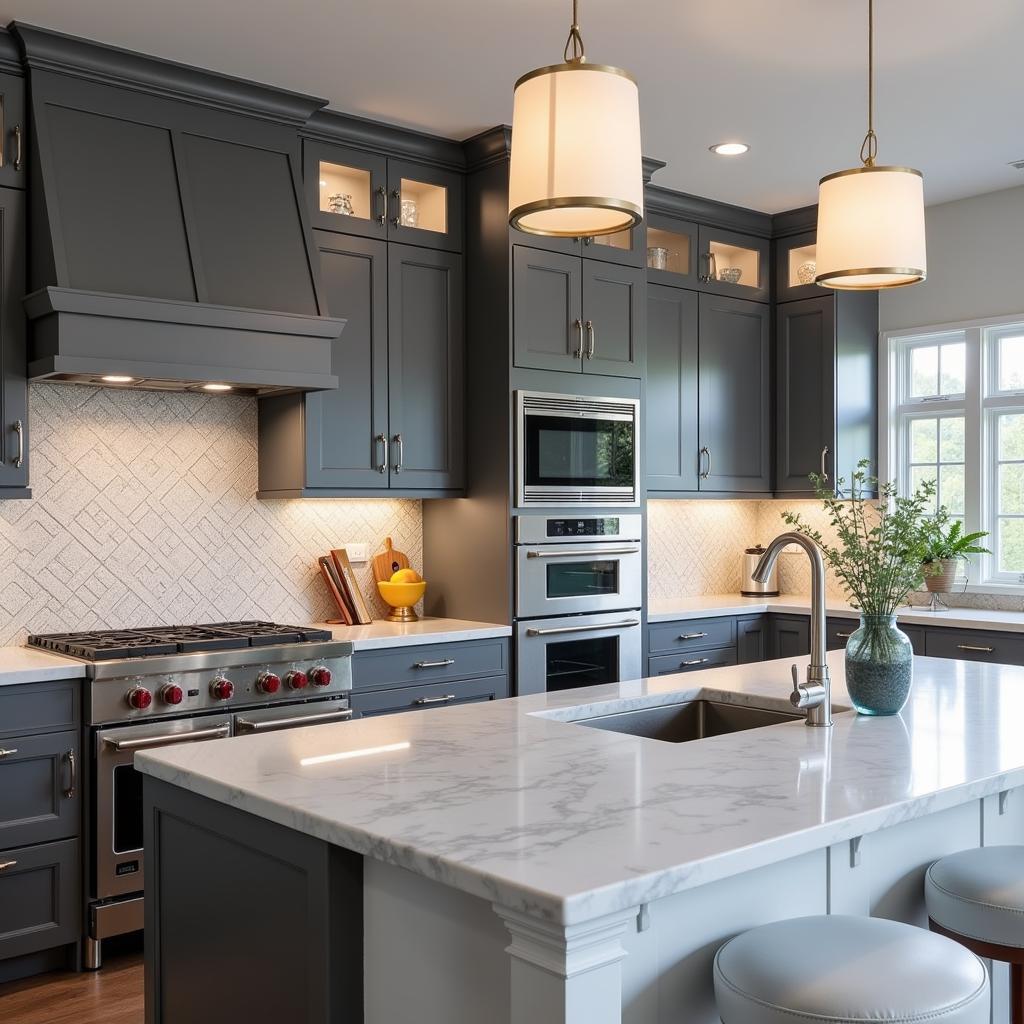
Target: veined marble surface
{"points": [[381, 633], [668, 609], [27, 665], [514, 802]]}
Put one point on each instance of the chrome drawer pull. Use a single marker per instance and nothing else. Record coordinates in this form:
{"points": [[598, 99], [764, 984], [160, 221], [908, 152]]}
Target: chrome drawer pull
{"points": [[7, 753], [972, 647], [583, 553], [824, 470], [381, 439], [19, 429], [843, 636], [558, 630], [446, 699], [578, 354], [143, 742], [691, 636], [269, 724], [5, 864], [435, 664], [73, 774], [695, 661]]}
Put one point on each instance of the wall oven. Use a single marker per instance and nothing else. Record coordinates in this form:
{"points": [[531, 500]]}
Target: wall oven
{"points": [[576, 450]]}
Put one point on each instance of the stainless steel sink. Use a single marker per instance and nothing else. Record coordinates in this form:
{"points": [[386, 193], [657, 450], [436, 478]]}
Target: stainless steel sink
{"points": [[694, 720]]}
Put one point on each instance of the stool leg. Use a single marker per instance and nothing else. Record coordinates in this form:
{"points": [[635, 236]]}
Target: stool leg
{"points": [[1017, 993]]}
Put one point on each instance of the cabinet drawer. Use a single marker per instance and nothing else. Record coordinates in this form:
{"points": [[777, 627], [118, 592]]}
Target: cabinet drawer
{"points": [[838, 631], [39, 789], [691, 634], [429, 663], [39, 707], [39, 897], [434, 695], [998, 648], [667, 664]]}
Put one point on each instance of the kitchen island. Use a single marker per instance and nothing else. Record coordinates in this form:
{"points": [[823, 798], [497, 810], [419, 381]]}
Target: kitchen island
{"points": [[507, 863]]}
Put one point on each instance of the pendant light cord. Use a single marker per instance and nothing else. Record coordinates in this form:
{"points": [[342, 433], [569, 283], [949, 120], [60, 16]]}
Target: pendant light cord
{"points": [[574, 52], [869, 147]]}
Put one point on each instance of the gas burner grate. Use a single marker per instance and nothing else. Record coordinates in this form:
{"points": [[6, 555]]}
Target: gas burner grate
{"points": [[105, 645], [263, 634]]}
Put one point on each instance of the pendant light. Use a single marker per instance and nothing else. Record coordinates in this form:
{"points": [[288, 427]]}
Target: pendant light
{"points": [[576, 159], [871, 218]]}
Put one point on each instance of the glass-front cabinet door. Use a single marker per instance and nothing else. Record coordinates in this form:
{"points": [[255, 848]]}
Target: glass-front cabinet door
{"points": [[671, 251], [795, 267], [733, 264], [621, 247], [425, 205], [346, 189]]}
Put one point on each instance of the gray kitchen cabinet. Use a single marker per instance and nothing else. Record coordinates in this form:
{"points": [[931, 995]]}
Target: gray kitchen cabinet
{"points": [[826, 374], [576, 315], [39, 788], [671, 407], [626, 247], [684, 635], [369, 704], [674, 242], [395, 423], [14, 439], [752, 639], [996, 646], [790, 636], [668, 664], [13, 129], [734, 395], [837, 632], [732, 263]]}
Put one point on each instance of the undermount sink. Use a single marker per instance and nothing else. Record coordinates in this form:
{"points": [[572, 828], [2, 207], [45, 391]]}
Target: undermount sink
{"points": [[693, 720]]}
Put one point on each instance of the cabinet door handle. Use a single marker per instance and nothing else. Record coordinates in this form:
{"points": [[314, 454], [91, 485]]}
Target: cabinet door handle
{"points": [[591, 339], [444, 663], [824, 468], [705, 452], [17, 147], [72, 774], [7, 753], [972, 647], [382, 194], [843, 636], [693, 661], [578, 324], [397, 439], [19, 429], [382, 439], [5, 864], [397, 219], [691, 636], [446, 699]]}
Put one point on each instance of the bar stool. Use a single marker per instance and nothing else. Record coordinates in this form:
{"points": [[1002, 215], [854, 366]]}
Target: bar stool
{"points": [[977, 898], [845, 970]]}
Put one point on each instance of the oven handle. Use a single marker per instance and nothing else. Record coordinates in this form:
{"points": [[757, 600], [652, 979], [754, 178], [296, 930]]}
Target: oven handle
{"points": [[248, 725], [557, 630], [584, 553], [218, 732]]}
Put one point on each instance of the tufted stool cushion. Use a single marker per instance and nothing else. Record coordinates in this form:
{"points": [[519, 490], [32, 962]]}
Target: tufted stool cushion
{"points": [[979, 894], [848, 969]]}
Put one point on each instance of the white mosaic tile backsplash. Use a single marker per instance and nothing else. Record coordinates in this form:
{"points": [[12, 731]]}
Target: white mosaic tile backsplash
{"points": [[144, 512]]}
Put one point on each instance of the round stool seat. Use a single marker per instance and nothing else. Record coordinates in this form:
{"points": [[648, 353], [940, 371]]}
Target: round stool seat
{"points": [[979, 894], [848, 969]]}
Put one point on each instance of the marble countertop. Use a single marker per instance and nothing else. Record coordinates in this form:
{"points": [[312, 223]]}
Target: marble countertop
{"points": [[514, 802], [381, 633], [668, 609], [25, 665]]}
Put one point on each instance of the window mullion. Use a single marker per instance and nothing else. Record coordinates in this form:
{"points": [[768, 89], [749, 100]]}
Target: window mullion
{"points": [[974, 441]]}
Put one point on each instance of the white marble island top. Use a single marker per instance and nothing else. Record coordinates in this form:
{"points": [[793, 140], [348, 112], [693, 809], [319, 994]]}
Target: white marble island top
{"points": [[508, 803]]}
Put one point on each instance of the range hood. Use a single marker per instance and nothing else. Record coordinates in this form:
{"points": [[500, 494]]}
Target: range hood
{"points": [[169, 244]]}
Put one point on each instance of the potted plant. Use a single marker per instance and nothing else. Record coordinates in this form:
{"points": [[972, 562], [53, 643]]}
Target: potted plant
{"points": [[946, 547], [879, 558]]}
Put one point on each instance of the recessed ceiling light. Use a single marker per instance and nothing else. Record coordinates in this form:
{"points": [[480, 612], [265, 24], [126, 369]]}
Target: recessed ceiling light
{"points": [[116, 378], [216, 387], [729, 148]]}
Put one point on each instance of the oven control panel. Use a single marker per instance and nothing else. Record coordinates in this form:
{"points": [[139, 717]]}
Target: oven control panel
{"points": [[605, 526], [540, 529]]}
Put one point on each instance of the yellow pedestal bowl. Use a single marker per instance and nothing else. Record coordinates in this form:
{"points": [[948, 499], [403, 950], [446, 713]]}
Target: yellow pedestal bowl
{"points": [[401, 597]]}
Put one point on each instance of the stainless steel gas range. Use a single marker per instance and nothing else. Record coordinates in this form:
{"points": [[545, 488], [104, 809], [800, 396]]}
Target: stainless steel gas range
{"points": [[180, 684]]}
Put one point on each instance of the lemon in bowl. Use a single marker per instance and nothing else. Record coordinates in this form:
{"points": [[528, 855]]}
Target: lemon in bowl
{"points": [[401, 592]]}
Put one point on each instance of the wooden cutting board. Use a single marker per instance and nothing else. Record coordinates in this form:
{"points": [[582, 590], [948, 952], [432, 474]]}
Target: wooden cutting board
{"points": [[388, 562]]}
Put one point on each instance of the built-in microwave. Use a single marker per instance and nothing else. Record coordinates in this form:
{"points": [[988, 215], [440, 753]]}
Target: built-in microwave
{"points": [[576, 450]]}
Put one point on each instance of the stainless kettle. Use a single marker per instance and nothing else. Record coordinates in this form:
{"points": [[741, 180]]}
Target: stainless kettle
{"points": [[749, 587]]}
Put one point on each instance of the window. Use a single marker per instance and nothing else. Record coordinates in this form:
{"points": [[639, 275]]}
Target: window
{"points": [[955, 415]]}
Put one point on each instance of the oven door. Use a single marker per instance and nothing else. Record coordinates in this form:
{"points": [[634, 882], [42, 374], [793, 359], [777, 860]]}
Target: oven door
{"points": [[576, 451], [580, 650], [118, 802], [566, 579]]}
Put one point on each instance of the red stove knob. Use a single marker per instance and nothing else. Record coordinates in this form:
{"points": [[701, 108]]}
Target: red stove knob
{"points": [[296, 680], [172, 694], [268, 682], [139, 698], [222, 689], [320, 676]]}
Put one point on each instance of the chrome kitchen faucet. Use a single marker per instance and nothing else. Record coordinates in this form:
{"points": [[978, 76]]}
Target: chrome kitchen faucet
{"points": [[816, 694]]}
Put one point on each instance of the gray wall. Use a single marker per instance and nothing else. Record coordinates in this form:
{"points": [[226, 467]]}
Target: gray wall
{"points": [[975, 264]]}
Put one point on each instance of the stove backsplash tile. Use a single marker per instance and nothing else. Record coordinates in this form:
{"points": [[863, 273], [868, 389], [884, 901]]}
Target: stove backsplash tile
{"points": [[144, 512]]}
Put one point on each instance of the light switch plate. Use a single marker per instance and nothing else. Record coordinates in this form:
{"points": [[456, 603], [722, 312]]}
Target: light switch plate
{"points": [[356, 552]]}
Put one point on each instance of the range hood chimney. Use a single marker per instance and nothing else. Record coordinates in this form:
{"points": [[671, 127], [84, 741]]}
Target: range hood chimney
{"points": [[170, 247]]}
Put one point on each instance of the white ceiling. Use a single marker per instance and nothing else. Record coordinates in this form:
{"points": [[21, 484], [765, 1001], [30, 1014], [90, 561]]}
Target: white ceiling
{"points": [[786, 76]]}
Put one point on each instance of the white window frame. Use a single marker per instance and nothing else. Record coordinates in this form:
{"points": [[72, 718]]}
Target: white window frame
{"points": [[979, 405]]}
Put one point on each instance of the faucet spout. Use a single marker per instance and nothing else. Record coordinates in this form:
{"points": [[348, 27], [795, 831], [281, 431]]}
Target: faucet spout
{"points": [[816, 694]]}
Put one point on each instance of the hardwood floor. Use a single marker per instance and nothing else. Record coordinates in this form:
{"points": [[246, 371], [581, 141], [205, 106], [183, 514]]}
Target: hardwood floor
{"points": [[112, 995]]}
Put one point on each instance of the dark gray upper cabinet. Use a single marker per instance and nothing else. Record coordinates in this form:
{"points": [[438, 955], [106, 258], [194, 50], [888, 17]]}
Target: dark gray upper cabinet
{"points": [[425, 368], [821, 426], [13, 132], [426, 205], [14, 446], [626, 247], [577, 315], [671, 407], [671, 255], [732, 263], [794, 265], [734, 395]]}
